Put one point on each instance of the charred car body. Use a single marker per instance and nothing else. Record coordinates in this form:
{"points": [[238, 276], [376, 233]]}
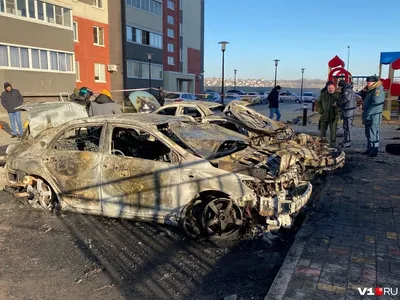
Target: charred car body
{"points": [[201, 177], [315, 156]]}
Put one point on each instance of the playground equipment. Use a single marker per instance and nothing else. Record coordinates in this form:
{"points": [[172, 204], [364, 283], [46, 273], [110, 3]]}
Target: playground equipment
{"points": [[390, 84]]}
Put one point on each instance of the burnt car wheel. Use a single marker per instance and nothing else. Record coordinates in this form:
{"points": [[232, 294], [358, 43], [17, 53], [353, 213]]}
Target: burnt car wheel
{"points": [[221, 218], [189, 221], [42, 194]]}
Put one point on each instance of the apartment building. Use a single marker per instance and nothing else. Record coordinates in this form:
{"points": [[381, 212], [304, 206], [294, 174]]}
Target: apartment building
{"points": [[36, 46], [160, 39], [91, 43]]}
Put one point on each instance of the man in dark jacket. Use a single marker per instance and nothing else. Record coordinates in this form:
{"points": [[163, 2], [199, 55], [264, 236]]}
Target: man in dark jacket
{"points": [[347, 104], [104, 105], [323, 90], [372, 113], [328, 108], [273, 100], [10, 99], [160, 96]]}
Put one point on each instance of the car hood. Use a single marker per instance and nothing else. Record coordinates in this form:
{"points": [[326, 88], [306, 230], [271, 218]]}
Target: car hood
{"points": [[235, 102], [256, 121], [42, 116], [144, 102], [206, 139]]}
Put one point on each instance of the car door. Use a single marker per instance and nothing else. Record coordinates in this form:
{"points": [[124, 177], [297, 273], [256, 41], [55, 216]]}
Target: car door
{"points": [[73, 162], [140, 174]]}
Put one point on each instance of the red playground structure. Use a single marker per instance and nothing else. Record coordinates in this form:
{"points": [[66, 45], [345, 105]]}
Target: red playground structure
{"points": [[391, 86]]}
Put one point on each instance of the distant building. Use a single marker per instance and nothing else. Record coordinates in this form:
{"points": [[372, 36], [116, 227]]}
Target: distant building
{"points": [[49, 47], [172, 31], [36, 46], [91, 43]]}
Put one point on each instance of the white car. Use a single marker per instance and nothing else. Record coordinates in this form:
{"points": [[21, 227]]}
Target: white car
{"points": [[231, 97], [289, 97], [308, 97], [177, 97], [264, 96]]}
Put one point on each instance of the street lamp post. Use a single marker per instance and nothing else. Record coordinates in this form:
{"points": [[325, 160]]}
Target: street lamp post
{"points": [[149, 59], [276, 68], [234, 79], [302, 78], [348, 58], [223, 48]]}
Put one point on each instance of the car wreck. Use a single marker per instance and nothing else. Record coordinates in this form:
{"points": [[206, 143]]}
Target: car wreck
{"points": [[202, 177], [315, 157]]}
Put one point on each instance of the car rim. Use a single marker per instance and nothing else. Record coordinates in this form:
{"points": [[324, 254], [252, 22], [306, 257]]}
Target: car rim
{"points": [[45, 195], [222, 218]]}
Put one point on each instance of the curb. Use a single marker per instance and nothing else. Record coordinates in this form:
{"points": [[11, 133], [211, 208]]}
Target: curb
{"points": [[285, 273]]}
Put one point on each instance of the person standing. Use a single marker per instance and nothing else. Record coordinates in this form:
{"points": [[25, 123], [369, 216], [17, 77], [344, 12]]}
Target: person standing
{"points": [[372, 114], [347, 105], [10, 99], [328, 108], [160, 96], [104, 105], [273, 100], [323, 90]]}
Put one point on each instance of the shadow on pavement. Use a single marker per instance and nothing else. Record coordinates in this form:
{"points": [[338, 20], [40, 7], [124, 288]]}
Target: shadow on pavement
{"points": [[5, 127]]}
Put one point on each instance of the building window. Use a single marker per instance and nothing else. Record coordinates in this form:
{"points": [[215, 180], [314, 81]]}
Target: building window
{"points": [[143, 37], [171, 5], [21, 8], [151, 6], [170, 33], [97, 3], [99, 73], [170, 20], [19, 57], [75, 26], [180, 55], [77, 71], [171, 60], [38, 10], [170, 47], [98, 36], [3, 56], [180, 29], [35, 58], [137, 69], [31, 9]]}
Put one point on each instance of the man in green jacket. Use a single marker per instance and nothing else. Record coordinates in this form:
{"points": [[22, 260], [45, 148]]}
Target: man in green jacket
{"points": [[328, 108], [374, 98]]}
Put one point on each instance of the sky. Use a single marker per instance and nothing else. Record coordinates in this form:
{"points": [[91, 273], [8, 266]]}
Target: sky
{"points": [[301, 34]]}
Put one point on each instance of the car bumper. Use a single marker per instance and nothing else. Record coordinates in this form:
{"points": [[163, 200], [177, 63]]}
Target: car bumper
{"points": [[280, 210]]}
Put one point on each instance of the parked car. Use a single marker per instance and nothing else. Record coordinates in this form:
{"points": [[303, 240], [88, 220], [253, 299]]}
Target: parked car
{"points": [[289, 97], [253, 98], [238, 92], [264, 96], [212, 97], [174, 97], [308, 97], [231, 97], [202, 177]]}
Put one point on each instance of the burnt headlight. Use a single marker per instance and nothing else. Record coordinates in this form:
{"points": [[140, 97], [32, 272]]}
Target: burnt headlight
{"points": [[274, 165]]}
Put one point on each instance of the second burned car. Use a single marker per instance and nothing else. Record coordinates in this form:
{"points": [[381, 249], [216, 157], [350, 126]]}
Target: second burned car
{"points": [[314, 156]]}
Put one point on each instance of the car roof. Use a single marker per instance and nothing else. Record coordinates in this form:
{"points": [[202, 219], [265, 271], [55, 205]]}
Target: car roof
{"points": [[132, 118], [205, 104]]}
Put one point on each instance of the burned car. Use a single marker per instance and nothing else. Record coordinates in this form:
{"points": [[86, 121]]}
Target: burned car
{"points": [[316, 157], [201, 177]]}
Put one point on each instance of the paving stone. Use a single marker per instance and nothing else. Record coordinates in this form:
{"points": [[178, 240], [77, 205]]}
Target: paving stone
{"points": [[356, 241]]}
